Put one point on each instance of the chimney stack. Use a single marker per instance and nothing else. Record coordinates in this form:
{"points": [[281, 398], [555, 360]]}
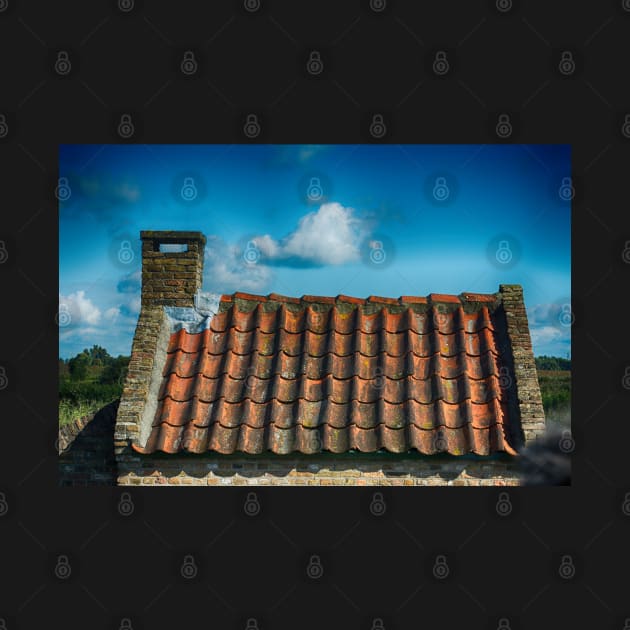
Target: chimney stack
{"points": [[171, 278]]}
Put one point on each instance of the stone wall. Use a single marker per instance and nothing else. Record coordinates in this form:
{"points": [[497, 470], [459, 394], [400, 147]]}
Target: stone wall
{"points": [[524, 392], [360, 469]]}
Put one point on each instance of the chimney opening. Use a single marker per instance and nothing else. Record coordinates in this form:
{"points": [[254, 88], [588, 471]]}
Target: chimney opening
{"points": [[173, 248]]}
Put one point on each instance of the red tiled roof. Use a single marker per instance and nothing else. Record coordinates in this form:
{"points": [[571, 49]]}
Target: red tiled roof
{"points": [[319, 373]]}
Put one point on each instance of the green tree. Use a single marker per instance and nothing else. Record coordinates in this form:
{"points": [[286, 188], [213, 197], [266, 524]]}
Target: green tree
{"points": [[115, 371], [78, 366]]}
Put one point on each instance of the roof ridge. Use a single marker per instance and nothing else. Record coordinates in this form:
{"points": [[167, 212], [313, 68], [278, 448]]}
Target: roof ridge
{"points": [[431, 298]]}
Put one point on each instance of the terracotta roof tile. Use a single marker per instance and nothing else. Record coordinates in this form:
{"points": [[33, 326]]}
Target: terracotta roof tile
{"points": [[336, 374]]}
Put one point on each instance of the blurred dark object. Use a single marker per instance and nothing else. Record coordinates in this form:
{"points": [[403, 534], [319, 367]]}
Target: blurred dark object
{"points": [[545, 462]]}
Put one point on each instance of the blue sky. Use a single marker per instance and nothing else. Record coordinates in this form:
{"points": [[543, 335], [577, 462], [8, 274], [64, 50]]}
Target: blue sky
{"points": [[317, 219]]}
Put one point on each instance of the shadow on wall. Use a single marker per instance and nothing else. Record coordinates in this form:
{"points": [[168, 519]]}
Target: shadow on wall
{"points": [[86, 450]]}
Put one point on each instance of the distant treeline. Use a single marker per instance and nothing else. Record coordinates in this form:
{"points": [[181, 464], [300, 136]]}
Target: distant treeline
{"points": [[92, 374], [552, 363]]}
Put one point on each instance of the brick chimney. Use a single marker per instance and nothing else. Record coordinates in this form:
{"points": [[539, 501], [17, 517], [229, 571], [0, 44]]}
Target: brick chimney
{"points": [[171, 278]]}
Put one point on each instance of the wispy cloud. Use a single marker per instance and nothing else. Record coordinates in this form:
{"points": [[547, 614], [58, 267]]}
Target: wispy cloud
{"points": [[226, 269], [130, 282]]}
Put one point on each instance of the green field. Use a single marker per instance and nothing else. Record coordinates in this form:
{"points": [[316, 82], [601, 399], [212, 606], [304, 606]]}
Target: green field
{"points": [[89, 381], [555, 388]]}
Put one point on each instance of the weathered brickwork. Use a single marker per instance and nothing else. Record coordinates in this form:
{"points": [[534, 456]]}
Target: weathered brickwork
{"points": [[360, 470], [168, 279], [525, 391]]}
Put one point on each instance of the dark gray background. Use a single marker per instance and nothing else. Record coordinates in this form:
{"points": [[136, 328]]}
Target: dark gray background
{"points": [[255, 566]]}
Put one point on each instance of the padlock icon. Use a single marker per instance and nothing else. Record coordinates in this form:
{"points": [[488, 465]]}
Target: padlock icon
{"points": [[567, 63], [625, 255], [62, 63], [63, 192], [377, 252], [504, 5], [125, 127], [504, 505], [189, 568], [505, 380], [377, 127], [566, 191], [378, 380], [504, 126], [314, 65], [62, 568], [252, 624], [4, 506], [566, 443], [440, 568], [4, 254], [440, 63], [251, 253], [3, 623], [566, 570], [125, 505], [251, 5], [504, 253], [440, 444], [189, 189], [625, 506], [625, 128], [626, 623], [252, 127], [440, 317], [377, 505], [504, 624], [63, 316], [626, 378], [315, 191], [188, 65], [125, 624], [252, 505], [125, 5], [4, 128], [566, 316], [314, 569], [441, 191], [125, 253], [378, 624]]}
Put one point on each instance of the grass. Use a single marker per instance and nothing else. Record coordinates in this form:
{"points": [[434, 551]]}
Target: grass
{"points": [[555, 389], [78, 399], [72, 410]]}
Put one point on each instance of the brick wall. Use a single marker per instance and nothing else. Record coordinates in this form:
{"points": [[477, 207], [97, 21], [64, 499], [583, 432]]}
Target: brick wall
{"points": [[359, 469], [86, 450], [524, 395]]}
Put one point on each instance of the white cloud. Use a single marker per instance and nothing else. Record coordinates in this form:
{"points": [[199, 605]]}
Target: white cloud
{"points": [[112, 314], [80, 308], [227, 271], [332, 235], [545, 335]]}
